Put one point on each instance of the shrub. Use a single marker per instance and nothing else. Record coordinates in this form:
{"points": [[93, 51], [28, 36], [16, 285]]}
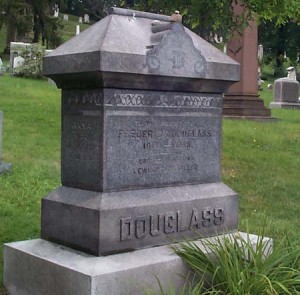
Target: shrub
{"points": [[33, 58]]}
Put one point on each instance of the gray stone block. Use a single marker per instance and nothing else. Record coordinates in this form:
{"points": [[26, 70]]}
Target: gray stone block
{"points": [[105, 223], [114, 139], [38, 267], [286, 94], [5, 167]]}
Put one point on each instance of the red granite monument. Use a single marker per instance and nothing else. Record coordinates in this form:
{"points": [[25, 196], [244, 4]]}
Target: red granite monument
{"points": [[242, 99]]}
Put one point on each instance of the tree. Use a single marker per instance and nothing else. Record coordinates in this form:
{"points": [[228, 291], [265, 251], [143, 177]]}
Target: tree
{"points": [[279, 41], [14, 15], [217, 15]]}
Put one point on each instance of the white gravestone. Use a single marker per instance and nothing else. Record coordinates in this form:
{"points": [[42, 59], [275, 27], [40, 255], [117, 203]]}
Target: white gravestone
{"points": [[66, 17], [86, 18], [18, 61], [77, 30], [2, 69], [291, 73], [80, 19]]}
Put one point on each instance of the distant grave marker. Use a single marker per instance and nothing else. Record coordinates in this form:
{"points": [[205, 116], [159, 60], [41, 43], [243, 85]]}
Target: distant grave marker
{"points": [[4, 167]]}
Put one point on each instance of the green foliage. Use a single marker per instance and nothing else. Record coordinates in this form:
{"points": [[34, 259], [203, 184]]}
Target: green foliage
{"points": [[235, 266], [33, 60], [203, 16]]}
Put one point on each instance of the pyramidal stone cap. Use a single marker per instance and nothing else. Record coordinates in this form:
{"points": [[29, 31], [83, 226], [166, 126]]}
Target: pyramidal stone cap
{"points": [[134, 49]]}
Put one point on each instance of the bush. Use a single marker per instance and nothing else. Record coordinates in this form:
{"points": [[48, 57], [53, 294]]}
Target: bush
{"points": [[33, 59]]}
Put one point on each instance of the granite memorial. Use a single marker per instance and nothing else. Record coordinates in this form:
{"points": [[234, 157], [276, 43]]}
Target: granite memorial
{"points": [[4, 167], [286, 94], [141, 148]]}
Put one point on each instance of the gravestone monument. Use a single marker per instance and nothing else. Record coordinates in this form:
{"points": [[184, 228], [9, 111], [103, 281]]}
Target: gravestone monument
{"points": [[141, 158], [4, 167], [242, 99], [286, 94], [66, 17], [77, 30], [86, 18]]}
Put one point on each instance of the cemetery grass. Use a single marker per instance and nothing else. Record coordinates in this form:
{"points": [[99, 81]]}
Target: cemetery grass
{"points": [[261, 161]]}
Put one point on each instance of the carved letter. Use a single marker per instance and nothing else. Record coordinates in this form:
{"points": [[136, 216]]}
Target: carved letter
{"points": [[194, 219], [141, 227], [180, 226], [206, 215], [156, 228], [170, 223], [126, 229], [219, 216]]}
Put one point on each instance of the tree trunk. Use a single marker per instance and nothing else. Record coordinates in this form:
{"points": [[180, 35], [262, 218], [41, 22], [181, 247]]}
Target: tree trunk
{"points": [[11, 33]]}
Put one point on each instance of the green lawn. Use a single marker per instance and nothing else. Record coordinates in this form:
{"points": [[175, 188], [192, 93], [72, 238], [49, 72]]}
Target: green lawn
{"points": [[261, 161]]}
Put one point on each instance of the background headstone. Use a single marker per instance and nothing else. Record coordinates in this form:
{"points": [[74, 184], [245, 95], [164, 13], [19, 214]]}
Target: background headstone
{"points": [[77, 30], [80, 19], [16, 49], [2, 68], [86, 18], [286, 94], [66, 17], [4, 167], [18, 62], [291, 73]]}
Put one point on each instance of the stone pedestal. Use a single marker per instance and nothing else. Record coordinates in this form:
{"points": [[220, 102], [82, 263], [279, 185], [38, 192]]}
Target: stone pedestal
{"points": [[39, 267], [242, 99], [106, 223], [286, 94]]}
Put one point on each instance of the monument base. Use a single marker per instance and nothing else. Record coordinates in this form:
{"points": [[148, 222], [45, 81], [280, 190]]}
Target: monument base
{"points": [[5, 167], [245, 106], [284, 105], [108, 223], [38, 267]]}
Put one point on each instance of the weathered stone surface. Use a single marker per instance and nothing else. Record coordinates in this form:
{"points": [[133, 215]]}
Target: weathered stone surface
{"points": [[39, 267], [171, 58], [105, 223], [114, 139], [286, 94], [141, 110]]}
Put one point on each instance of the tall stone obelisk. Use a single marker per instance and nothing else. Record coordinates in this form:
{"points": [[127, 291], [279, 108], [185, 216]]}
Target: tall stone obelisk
{"points": [[242, 99]]}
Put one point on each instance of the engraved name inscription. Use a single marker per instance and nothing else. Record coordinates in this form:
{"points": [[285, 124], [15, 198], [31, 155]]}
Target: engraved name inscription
{"points": [[169, 223], [159, 145], [163, 100], [80, 145]]}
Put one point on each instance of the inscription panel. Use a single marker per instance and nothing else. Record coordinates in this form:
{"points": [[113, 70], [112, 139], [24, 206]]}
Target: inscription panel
{"points": [[161, 150], [81, 139]]}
